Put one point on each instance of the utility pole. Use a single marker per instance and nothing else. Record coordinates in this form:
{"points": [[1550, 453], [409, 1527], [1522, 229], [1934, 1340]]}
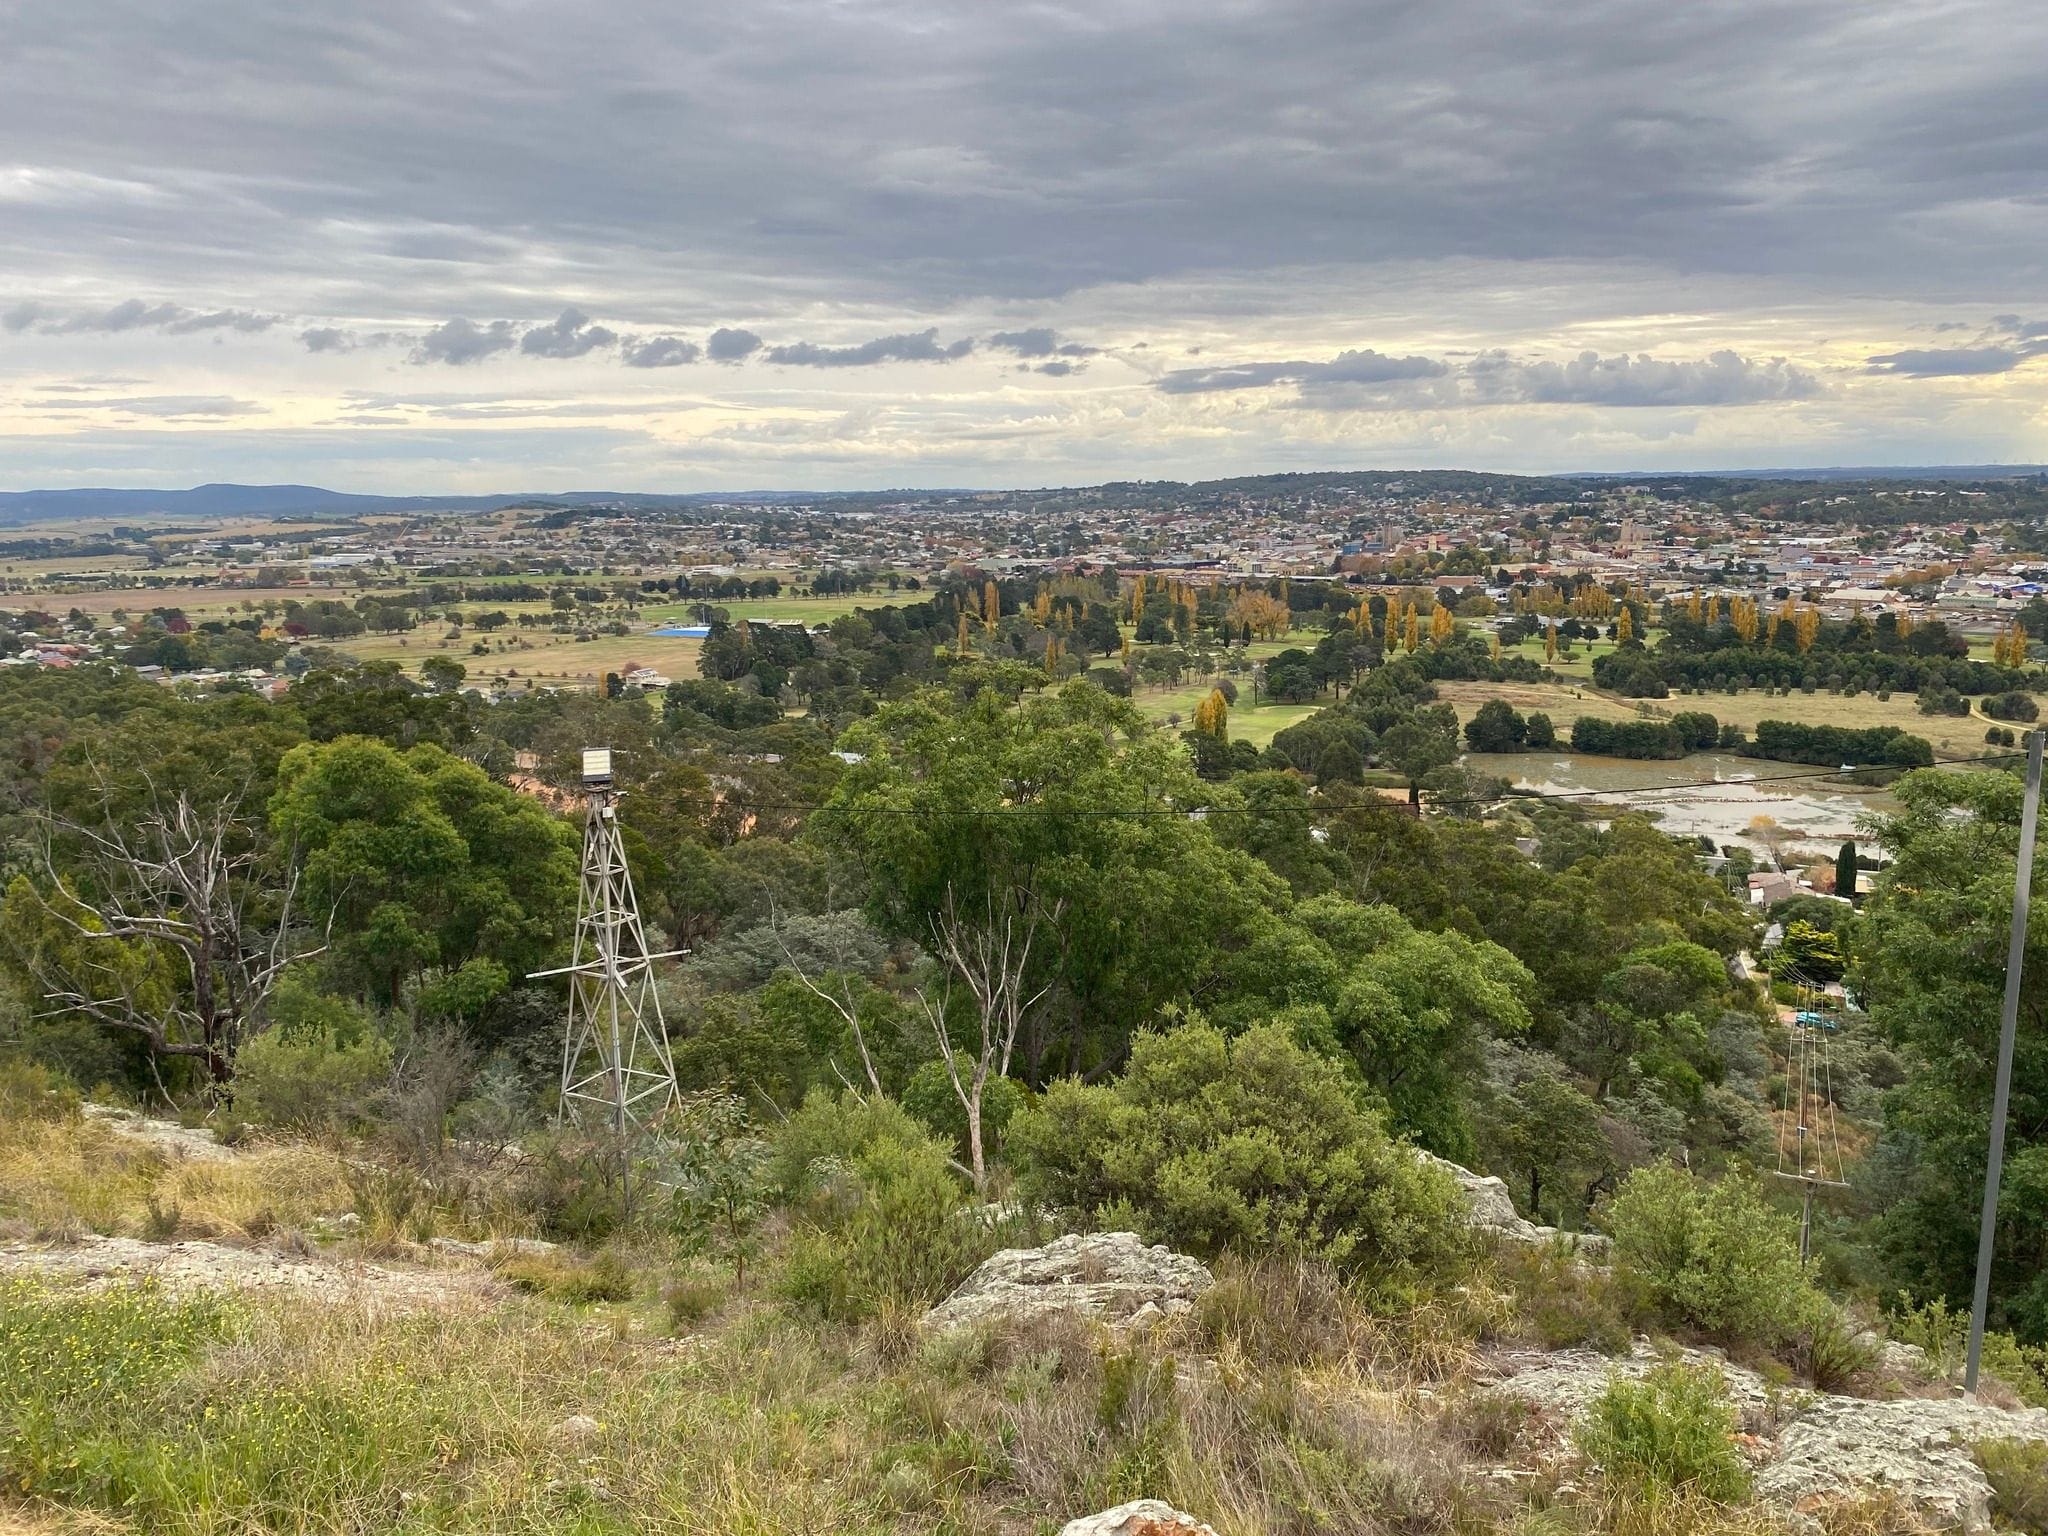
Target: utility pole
{"points": [[2008, 1027]]}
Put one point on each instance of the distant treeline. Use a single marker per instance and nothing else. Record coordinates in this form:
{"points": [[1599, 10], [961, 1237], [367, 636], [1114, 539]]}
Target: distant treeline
{"points": [[1788, 741], [1783, 741]]}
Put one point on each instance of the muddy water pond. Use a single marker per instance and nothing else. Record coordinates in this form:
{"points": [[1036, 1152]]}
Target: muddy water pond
{"points": [[1812, 811]]}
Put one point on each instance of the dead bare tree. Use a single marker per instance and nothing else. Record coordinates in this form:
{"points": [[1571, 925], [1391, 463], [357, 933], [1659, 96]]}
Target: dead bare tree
{"points": [[991, 956], [175, 926], [843, 1005]]}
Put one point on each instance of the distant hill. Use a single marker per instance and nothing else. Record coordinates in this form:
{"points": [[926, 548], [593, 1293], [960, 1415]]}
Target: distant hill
{"points": [[217, 501], [226, 500]]}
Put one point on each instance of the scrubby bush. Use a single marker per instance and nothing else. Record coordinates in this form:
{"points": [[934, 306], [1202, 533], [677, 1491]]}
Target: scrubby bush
{"points": [[1253, 1145], [1709, 1256], [883, 1219], [1943, 1334], [1673, 1431], [32, 1092], [566, 1277], [319, 1069], [313, 1085], [1564, 1303], [2018, 1473]]}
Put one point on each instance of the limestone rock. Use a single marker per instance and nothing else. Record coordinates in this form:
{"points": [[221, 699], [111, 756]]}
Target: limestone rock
{"points": [[1918, 1447], [1112, 1277], [1492, 1209], [102, 1262], [497, 1247], [166, 1136], [1814, 1448], [1143, 1517], [576, 1430]]}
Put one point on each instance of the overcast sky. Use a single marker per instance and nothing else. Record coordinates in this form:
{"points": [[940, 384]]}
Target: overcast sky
{"points": [[510, 244]]}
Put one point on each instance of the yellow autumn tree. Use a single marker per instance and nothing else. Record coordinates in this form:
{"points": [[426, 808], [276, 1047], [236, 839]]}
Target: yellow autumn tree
{"points": [[1742, 614], [1550, 642], [1494, 648], [991, 604], [1212, 715], [1266, 615], [1806, 627], [960, 640], [1441, 625], [1411, 630], [2009, 646], [1625, 626]]}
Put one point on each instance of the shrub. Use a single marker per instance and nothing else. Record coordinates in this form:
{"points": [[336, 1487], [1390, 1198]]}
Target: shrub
{"points": [[1944, 1335], [2018, 1473], [30, 1091], [1254, 1145], [313, 1083], [1713, 1257], [1673, 1431], [883, 1220], [690, 1298], [565, 1277], [1564, 1303]]}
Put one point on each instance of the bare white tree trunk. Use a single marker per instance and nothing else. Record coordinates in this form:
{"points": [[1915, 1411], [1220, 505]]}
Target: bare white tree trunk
{"points": [[990, 953], [842, 1005]]}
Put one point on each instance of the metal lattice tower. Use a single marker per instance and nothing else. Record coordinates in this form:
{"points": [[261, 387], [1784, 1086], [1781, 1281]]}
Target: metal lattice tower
{"points": [[616, 1068]]}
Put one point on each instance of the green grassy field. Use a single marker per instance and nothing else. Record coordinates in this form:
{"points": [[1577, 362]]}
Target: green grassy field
{"points": [[1255, 725]]}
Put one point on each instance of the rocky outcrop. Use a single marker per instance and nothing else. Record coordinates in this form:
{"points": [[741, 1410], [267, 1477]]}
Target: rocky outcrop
{"points": [[166, 1136], [1811, 1449], [99, 1262], [1111, 1277], [1144, 1517], [1492, 1209]]}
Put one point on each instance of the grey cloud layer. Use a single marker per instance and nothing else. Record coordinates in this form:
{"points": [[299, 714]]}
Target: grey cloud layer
{"points": [[910, 347], [1370, 380], [571, 335], [131, 315], [915, 151], [2005, 344]]}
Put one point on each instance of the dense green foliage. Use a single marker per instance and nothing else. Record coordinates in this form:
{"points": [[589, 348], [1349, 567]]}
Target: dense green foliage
{"points": [[1249, 1145], [1673, 1431]]}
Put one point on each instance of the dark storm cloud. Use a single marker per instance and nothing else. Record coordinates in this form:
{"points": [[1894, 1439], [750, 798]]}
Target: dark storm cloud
{"points": [[1361, 367], [463, 341], [910, 347], [1039, 341], [793, 146], [1999, 347], [659, 352], [1949, 362], [729, 346], [570, 335]]}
